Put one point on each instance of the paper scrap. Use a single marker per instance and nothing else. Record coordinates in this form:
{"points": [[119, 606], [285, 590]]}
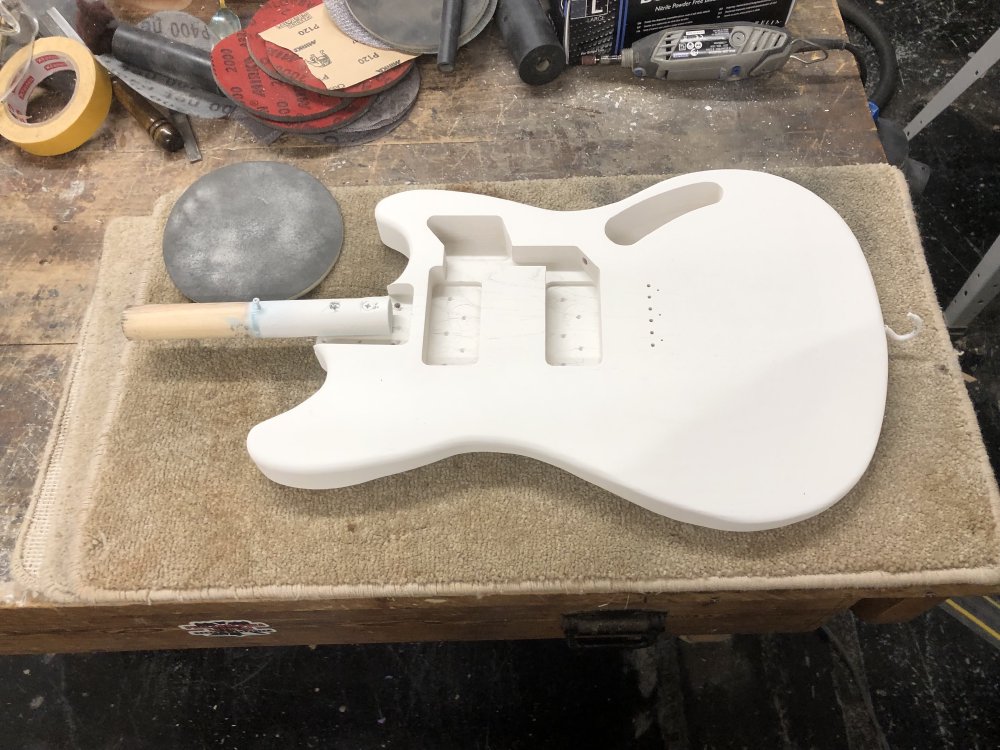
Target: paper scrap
{"points": [[333, 57]]}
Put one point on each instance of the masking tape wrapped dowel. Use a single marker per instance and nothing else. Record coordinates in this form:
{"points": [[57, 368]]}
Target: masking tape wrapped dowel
{"points": [[75, 124], [328, 318]]}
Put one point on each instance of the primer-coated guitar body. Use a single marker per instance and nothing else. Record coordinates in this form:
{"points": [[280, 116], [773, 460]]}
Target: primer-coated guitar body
{"points": [[711, 349]]}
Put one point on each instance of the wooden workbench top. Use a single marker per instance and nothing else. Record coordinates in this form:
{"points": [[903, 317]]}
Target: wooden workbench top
{"points": [[481, 123]]}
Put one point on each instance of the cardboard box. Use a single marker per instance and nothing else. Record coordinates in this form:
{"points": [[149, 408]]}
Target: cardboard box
{"points": [[605, 27]]}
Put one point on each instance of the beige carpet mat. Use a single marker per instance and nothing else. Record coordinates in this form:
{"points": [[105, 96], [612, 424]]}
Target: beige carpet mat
{"points": [[149, 492]]}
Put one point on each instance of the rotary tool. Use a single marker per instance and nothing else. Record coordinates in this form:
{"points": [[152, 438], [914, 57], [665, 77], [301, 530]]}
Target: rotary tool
{"points": [[722, 52]]}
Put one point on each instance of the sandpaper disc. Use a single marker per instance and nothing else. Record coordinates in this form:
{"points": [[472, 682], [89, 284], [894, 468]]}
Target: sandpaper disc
{"points": [[347, 23], [415, 26], [390, 109], [246, 84], [259, 130], [291, 68], [257, 46], [344, 139], [257, 229], [352, 112], [163, 89]]}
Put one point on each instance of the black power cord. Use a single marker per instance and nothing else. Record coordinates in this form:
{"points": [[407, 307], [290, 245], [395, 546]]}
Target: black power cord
{"points": [[888, 68], [818, 44], [862, 27]]}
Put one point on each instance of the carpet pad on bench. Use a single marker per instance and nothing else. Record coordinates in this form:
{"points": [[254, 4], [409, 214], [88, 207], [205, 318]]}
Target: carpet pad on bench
{"points": [[149, 492]]}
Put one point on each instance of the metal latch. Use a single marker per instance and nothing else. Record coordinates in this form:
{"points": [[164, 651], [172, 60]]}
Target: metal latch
{"points": [[618, 628]]}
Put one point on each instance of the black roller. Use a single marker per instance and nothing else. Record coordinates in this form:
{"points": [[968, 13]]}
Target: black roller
{"points": [[158, 54], [451, 26], [531, 41]]}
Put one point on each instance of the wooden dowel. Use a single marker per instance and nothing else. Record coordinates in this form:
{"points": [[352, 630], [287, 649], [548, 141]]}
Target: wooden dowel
{"points": [[206, 320], [332, 318]]}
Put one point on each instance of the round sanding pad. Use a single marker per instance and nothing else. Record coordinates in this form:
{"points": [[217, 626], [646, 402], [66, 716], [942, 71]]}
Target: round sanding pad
{"points": [[415, 26], [291, 68], [347, 23], [246, 84], [256, 229]]}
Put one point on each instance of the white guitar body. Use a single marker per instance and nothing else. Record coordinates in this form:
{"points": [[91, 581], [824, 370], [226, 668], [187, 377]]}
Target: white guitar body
{"points": [[711, 349]]}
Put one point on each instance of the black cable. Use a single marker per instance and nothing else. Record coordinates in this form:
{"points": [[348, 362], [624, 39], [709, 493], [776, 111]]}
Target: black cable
{"points": [[829, 44], [859, 58], [888, 76]]}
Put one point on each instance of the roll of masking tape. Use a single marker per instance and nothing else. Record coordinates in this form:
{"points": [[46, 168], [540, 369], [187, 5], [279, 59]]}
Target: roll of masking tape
{"points": [[72, 126]]}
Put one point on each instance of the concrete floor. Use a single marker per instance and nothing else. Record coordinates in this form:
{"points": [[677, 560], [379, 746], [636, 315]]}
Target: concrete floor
{"points": [[931, 683]]}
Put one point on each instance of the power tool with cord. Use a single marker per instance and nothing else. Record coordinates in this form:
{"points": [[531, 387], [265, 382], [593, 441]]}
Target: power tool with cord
{"points": [[726, 52]]}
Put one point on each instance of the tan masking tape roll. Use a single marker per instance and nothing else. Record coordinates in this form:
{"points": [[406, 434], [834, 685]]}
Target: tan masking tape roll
{"points": [[78, 120]]}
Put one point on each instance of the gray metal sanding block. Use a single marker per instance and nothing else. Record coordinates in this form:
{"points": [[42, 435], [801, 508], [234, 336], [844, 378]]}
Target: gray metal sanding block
{"points": [[262, 230]]}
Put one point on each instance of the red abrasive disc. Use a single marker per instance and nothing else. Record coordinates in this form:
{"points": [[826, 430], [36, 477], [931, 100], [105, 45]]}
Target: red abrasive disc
{"points": [[291, 68], [246, 84], [256, 45], [357, 107]]}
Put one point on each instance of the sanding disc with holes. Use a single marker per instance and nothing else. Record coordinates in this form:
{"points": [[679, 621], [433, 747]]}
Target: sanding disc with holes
{"points": [[247, 85], [293, 69], [163, 89], [415, 26], [389, 110], [347, 23], [257, 229], [260, 131]]}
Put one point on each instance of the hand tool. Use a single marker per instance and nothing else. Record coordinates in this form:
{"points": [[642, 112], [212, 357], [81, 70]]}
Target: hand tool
{"points": [[183, 124], [723, 52], [163, 132]]}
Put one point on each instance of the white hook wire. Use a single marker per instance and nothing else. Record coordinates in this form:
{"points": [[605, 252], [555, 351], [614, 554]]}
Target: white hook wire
{"points": [[918, 324]]}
